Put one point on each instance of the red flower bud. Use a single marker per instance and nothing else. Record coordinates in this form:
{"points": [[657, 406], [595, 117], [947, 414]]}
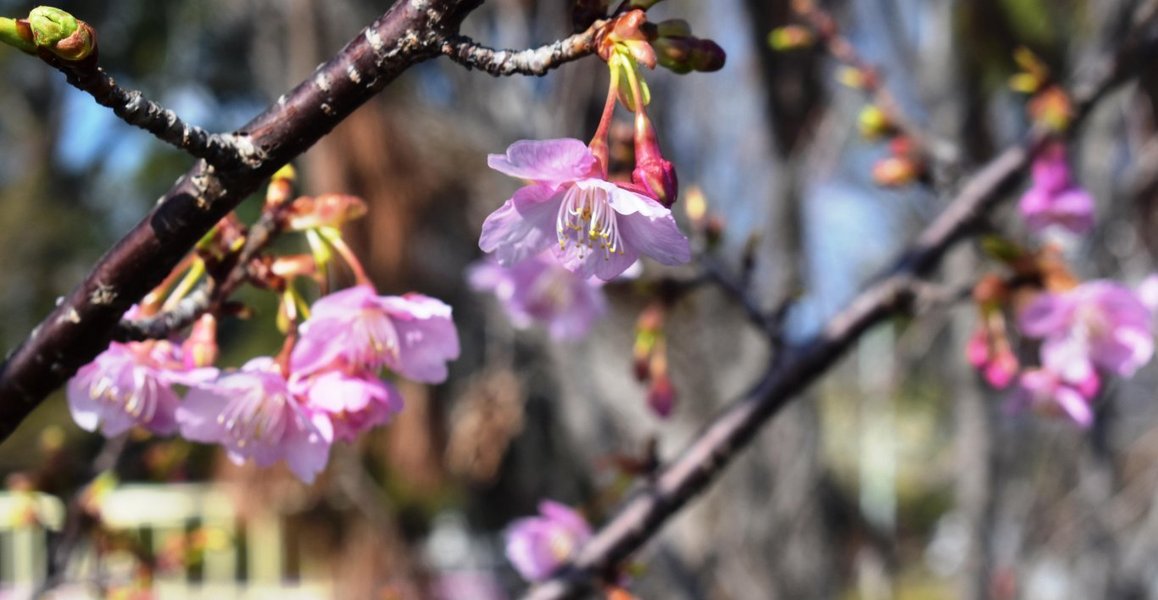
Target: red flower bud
{"points": [[661, 395], [652, 171]]}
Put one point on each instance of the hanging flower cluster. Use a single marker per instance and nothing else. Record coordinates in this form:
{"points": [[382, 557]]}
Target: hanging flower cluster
{"points": [[1085, 332], [572, 210], [325, 385]]}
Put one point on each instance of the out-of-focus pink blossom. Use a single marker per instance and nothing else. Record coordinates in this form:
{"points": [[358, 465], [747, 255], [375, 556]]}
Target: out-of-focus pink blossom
{"points": [[1097, 324], [253, 414], [132, 384], [356, 330], [1045, 391], [1147, 291], [592, 226], [536, 546], [353, 404], [1054, 198], [539, 290]]}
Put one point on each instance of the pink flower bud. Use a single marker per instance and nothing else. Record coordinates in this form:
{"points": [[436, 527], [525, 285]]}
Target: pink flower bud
{"points": [[652, 171], [661, 396]]}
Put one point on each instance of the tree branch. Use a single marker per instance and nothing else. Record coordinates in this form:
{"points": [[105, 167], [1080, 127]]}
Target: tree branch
{"points": [[641, 516], [83, 322], [533, 61], [221, 151]]}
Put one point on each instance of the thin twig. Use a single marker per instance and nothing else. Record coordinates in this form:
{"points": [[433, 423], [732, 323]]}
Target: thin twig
{"points": [[222, 151]]}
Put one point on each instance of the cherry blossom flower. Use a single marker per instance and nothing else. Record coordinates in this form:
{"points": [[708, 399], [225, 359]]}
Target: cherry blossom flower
{"points": [[353, 404], [1097, 324], [132, 384], [1054, 198], [536, 546], [593, 226], [1045, 391], [539, 290], [356, 330], [254, 414]]}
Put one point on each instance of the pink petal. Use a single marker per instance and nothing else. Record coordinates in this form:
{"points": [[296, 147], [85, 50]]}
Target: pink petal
{"points": [[1048, 314], [1069, 357], [426, 346], [549, 161], [1074, 405], [523, 226], [660, 238]]}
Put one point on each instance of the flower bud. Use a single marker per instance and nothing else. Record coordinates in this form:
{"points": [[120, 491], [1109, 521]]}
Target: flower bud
{"points": [[652, 171], [673, 28], [1052, 108], [791, 37], [327, 210], [895, 171], [873, 123], [684, 54], [853, 77], [990, 292], [61, 33], [707, 56], [661, 395], [1002, 368], [625, 35], [294, 265], [281, 186]]}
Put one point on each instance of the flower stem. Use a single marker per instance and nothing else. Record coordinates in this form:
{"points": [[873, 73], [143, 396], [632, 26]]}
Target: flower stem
{"points": [[599, 144]]}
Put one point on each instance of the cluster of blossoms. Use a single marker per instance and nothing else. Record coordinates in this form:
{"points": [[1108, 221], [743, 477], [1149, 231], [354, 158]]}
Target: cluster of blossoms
{"points": [[1085, 331], [324, 386], [269, 410], [574, 212]]}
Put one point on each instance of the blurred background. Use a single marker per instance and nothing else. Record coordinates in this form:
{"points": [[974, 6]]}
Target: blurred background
{"points": [[899, 476]]}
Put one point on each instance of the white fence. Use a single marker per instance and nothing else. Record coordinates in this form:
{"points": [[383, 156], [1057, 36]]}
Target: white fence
{"points": [[247, 559]]}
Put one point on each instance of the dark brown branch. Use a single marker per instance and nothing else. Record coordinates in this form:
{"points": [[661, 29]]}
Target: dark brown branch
{"points": [[892, 294], [83, 323], [222, 151], [534, 61]]}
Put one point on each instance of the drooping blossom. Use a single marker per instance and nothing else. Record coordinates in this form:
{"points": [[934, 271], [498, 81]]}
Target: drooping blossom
{"points": [[536, 546], [540, 290], [592, 226], [356, 330], [253, 414], [1097, 324], [1045, 391], [131, 384], [1054, 198], [353, 403]]}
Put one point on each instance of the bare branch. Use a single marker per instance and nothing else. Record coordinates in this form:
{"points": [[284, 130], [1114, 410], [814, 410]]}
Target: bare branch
{"points": [[221, 151], [533, 61]]}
